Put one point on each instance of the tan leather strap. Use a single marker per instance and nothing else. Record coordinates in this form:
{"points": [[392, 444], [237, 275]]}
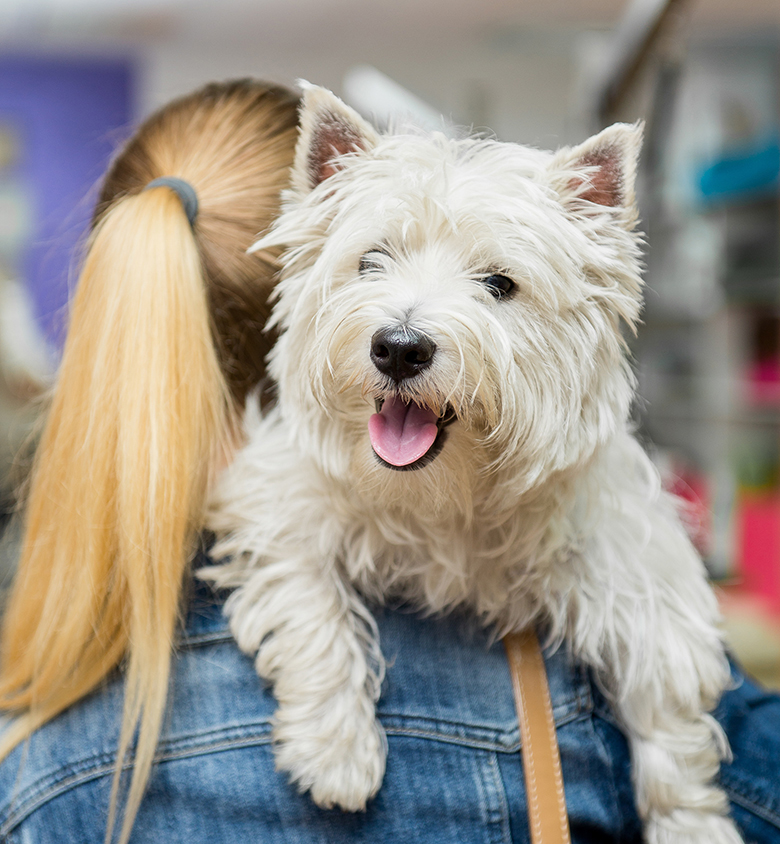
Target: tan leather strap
{"points": [[547, 815]]}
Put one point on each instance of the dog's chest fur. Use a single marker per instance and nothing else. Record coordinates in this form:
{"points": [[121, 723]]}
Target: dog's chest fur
{"points": [[443, 562]]}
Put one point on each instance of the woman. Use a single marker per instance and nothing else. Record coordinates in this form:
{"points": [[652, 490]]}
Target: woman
{"points": [[165, 340]]}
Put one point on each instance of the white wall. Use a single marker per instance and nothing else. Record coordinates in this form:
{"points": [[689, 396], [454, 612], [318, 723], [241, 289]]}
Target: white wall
{"points": [[520, 85]]}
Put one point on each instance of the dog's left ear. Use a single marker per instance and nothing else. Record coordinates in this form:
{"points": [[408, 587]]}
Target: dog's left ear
{"points": [[600, 173], [329, 130]]}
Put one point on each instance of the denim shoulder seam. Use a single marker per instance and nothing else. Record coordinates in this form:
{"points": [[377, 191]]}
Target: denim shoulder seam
{"points": [[197, 640], [765, 814], [465, 735], [69, 776], [461, 740], [748, 800]]}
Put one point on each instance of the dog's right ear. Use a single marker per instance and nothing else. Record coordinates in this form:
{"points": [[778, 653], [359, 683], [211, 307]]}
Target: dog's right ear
{"points": [[330, 129], [600, 174]]}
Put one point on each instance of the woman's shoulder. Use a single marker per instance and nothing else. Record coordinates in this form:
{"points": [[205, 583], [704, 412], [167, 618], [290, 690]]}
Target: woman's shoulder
{"points": [[215, 701]]}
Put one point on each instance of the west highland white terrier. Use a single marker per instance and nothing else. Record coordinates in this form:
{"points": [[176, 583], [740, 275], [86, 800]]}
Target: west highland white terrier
{"points": [[452, 429]]}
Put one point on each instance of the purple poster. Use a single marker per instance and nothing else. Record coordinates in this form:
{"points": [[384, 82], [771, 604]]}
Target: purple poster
{"points": [[61, 120]]}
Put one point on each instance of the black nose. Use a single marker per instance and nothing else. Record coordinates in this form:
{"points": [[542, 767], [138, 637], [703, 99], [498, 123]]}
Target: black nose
{"points": [[401, 352]]}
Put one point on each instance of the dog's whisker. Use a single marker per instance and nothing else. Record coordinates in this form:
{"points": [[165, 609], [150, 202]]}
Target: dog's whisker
{"points": [[347, 385]]}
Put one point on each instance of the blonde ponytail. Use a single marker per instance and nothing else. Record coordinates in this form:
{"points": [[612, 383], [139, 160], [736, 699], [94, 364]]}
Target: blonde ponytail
{"points": [[142, 415], [121, 473]]}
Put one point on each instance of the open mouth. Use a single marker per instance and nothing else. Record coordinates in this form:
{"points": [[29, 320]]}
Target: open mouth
{"points": [[405, 435]]}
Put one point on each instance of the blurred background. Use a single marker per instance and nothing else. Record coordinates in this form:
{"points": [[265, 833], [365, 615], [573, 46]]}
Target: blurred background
{"points": [[77, 75]]}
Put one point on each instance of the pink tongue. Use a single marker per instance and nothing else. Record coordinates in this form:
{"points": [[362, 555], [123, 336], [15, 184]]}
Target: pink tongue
{"points": [[402, 433]]}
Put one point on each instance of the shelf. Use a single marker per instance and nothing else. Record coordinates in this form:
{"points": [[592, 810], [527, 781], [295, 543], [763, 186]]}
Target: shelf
{"points": [[703, 416]]}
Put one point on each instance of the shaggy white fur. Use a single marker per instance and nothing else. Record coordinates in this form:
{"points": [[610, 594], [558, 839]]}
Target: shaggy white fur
{"points": [[456, 306]]}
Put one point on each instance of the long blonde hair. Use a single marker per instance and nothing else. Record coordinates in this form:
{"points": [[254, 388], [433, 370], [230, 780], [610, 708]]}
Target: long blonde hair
{"points": [[163, 344]]}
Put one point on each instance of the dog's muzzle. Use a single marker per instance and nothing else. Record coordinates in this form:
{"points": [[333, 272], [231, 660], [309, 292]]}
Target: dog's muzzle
{"points": [[404, 435]]}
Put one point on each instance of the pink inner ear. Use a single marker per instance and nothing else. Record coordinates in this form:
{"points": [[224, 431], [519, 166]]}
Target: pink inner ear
{"points": [[331, 139], [605, 184]]}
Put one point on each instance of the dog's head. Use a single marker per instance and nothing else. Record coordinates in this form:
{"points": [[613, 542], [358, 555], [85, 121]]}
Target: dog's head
{"points": [[451, 309]]}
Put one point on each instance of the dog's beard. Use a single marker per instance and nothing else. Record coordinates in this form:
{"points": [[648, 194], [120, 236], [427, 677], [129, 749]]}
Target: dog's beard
{"points": [[443, 481]]}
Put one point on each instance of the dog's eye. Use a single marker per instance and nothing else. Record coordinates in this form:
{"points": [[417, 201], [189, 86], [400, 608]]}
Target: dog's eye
{"points": [[372, 261], [499, 285]]}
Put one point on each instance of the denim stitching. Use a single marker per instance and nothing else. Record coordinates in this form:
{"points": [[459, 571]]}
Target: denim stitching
{"points": [[506, 833], [748, 790], [102, 764], [450, 732], [67, 777], [462, 741], [483, 798], [613, 792], [480, 732], [507, 742], [756, 808], [51, 782], [197, 640], [573, 710], [749, 798], [492, 805]]}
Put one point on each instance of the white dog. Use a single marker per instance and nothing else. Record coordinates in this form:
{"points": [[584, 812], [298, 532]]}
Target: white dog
{"points": [[452, 428]]}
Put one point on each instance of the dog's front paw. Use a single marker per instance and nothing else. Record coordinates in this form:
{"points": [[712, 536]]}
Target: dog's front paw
{"points": [[685, 826], [339, 757]]}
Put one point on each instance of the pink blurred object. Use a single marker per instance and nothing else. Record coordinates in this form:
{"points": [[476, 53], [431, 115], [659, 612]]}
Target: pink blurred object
{"points": [[763, 382], [692, 488], [758, 526]]}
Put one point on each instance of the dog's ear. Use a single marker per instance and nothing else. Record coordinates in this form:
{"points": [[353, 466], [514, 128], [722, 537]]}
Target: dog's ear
{"points": [[329, 129], [600, 173]]}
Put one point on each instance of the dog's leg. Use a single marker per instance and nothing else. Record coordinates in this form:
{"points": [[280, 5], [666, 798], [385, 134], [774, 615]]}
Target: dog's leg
{"points": [[676, 756], [651, 622], [317, 644]]}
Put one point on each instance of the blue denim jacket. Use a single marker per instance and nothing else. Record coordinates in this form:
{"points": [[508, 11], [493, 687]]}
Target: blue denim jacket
{"points": [[454, 771]]}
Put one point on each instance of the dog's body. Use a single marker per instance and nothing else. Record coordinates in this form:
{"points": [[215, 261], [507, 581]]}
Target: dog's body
{"points": [[452, 430]]}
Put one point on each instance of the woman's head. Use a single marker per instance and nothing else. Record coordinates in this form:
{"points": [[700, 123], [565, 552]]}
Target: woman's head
{"points": [[237, 175]]}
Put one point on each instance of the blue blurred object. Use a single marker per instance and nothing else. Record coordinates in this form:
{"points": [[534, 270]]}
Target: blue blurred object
{"points": [[69, 114], [750, 172]]}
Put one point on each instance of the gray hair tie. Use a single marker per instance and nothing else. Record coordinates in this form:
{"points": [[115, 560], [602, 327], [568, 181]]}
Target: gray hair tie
{"points": [[185, 191]]}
